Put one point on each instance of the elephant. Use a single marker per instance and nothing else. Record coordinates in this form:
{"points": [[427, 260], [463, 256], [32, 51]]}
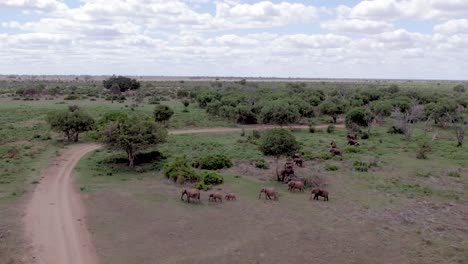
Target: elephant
{"points": [[191, 193], [298, 162], [335, 151], [333, 144], [293, 185], [319, 193], [353, 142], [269, 192], [230, 196], [214, 197], [351, 137], [283, 175]]}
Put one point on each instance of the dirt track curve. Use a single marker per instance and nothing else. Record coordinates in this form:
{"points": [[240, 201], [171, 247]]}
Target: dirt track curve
{"points": [[55, 217]]}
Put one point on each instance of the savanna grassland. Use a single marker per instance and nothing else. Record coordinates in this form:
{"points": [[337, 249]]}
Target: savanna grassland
{"points": [[398, 197]]}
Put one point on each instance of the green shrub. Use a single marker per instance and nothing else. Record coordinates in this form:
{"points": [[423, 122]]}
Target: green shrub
{"points": [[261, 164], [330, 167], [455, 174], [311, 129], [365, 135], [179, 167], [71, 97], [331, 129], [352, 149], [202, 186], [325, 156], [395, 130], [424, 148], [211, 178], [212, 162], [360, 166]]}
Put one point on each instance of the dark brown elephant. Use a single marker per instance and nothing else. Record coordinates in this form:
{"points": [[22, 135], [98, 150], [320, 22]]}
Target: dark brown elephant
{"points": [[335, 151], [298, 162], [230, 196], [214, 197], [191, 193], [319, 193], [353, 142], [293, 185], [269, 192], [351, 137]]}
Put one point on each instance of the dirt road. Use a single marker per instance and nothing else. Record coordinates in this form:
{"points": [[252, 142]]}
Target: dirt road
{"points": [[55, 217]]}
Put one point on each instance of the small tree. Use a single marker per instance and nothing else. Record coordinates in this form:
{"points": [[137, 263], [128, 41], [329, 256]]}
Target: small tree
{"points": [[121, 82], [162, 113], [459, 124], [407, 120], [277, 142], [71, 122], [333, 107], [133, 134], [360, 116], [460, 88], [280, 113]]}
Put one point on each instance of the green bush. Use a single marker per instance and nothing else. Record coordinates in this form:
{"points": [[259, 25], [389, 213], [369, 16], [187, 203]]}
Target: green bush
{"points": [[311, 129], [261, 164], [330, 129], [455, 174], [360, 166], [424, 147], [212, 162], [202, 186], [352, 149], [179, 167], [395, 130], [365, 135], [277, 142], [211, 178], [71, 97], [330, 167]]}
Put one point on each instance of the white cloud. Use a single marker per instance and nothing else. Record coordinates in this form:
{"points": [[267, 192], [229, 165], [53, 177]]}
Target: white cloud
{"points": [[357, 26], [399, 9], [453, 26], [45, 5], [160, 37]]}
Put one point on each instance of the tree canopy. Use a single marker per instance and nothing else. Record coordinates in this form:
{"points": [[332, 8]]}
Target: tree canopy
{"points": [[121, 82], [162, 113], [71, 122], [277, 142], [133, 134]]}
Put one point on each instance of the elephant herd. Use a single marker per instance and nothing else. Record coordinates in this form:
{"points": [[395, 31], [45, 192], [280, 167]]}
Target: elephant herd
{"points": [[269, 192], [284, 175]]}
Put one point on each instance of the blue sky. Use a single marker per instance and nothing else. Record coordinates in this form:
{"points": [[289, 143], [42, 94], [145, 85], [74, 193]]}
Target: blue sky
{"points": [[414, 39]]}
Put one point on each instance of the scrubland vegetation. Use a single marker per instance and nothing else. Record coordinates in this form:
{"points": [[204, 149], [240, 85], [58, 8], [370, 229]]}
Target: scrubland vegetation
{"points": [[406, 180]]}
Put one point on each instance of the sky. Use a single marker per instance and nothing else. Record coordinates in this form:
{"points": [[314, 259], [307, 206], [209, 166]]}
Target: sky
{"points": [[396, 39]]}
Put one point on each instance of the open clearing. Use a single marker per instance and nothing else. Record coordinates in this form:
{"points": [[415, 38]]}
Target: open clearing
{"points": [[370, 218]]}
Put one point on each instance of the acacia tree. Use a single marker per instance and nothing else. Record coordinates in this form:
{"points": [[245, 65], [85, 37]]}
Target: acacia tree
{"points": [[333, 107], [459, 124], [280, 113], [133, 134], [278, 142], [71, 122], [360, 116], [162, 113], [407, 120], [121, 82]]}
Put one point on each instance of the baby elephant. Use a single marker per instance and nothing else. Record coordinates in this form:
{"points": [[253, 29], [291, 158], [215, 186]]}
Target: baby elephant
{"points": [[319, 193], [191, 193], [269, 192], [214, 197], [230, 196], [293, 185]]}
